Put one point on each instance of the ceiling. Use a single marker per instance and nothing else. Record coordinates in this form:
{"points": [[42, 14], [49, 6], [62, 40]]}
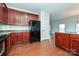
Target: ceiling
{"points": [[57, 10]]}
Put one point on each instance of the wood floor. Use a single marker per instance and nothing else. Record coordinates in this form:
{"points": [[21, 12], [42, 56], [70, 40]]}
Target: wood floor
{"points": [[44, 48]]}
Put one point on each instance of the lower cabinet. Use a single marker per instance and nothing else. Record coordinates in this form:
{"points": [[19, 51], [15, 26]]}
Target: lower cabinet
{"points": [[21, 37], [62, 40], [25, 37], [75, 46], [74, 43], [8, 44], [15, 38], [58, 39], [69, 42], [18, 38], [66, 41]]}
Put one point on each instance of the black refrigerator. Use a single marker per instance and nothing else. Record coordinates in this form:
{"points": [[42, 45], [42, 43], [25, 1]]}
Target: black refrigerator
{"points": [[34, 31]]}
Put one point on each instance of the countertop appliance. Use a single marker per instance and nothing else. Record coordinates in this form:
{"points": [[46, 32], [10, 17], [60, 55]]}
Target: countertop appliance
{"points": [[34, 31]]}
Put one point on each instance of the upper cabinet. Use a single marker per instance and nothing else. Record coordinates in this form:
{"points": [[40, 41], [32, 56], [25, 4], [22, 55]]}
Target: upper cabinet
{"points": [[32, 16], [3, 13], [16, 17]]}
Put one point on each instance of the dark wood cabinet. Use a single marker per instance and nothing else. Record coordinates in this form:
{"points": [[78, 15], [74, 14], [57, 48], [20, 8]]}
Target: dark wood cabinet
{"points": [[8, 44], [3, 13], [32, 17], [16, 38], [69, 42], [58, 39], [75, 46], [74, 40], [20, 37], [25, 37], [11, 16], [66, 41], [16, 17], [62, 40]]}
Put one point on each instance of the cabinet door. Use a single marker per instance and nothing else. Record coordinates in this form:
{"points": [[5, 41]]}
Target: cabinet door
{"points": [[23, 19], [58, 39], [32, 17], [5, 15], [8, 44], [26, 22], [10, 16], [63, 41], [75, 46], [18, 38], [66, 41], [25, 36], [1, 13], [17, 18], [12, 38], [15, 38]]}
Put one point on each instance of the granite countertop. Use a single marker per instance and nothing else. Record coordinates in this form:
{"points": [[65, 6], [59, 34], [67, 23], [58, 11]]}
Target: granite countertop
{"points": [[71, 33], [12, 31], [1, 33]]}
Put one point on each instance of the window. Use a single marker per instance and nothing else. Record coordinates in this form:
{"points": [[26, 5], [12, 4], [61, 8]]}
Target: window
{"points": [[61, 27], [77, 28]]}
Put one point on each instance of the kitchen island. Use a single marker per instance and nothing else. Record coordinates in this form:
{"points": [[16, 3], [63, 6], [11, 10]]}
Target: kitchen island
{"points": [[68, 42]]}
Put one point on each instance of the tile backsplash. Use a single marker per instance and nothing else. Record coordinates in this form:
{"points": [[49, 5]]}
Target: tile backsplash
{"points": [[13, 27]]}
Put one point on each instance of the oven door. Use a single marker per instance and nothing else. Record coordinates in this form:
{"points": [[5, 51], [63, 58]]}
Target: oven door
{"points": [[2, 48]]}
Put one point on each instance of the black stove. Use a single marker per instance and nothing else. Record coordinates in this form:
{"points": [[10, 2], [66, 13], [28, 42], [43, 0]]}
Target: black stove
{"points": [[3, 37]]}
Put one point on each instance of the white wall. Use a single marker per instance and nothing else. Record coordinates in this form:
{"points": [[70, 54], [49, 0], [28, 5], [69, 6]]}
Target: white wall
{"points": [[45, 25], [70, 24]]}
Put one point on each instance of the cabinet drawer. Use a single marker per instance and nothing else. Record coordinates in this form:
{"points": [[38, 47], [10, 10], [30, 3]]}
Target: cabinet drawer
{"points": [[72, 36], [75, 44]]}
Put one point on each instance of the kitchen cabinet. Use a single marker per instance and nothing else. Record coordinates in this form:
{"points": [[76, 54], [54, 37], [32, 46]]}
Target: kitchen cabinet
{"points": [[12, 38], [10, 16], [66, 41], [18, 38], [21, 37], [62, 40], [25, 37], [74, 43], [3, 13], [75, 46], [69, 42], [32, 17], [16, 17], [58, 39], [8, 44]]}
